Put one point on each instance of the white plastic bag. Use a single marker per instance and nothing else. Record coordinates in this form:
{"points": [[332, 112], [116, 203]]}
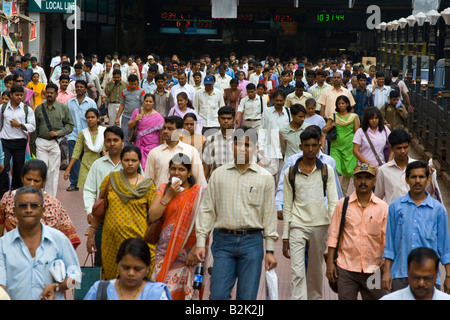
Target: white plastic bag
{"points": [[271, 285], [436, 190], [58, 270]]}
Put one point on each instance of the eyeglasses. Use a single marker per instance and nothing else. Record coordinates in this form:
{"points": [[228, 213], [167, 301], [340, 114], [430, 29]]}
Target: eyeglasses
{"points": [[24, 206], [418, 278]]}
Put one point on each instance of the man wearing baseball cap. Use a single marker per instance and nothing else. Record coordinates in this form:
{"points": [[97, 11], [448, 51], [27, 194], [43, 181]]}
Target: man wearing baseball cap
{"points": [[207, 102], [360, 244]]}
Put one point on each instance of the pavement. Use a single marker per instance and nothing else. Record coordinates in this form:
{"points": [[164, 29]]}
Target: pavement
{"points": [[73, 203]]}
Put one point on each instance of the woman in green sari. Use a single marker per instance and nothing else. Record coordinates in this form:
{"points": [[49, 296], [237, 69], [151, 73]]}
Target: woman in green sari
{"points": [[341, 150]]}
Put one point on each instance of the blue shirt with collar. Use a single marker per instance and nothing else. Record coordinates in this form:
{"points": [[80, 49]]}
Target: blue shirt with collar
{"points": [[25, 277], [148, 87], [291, 161], [410, 226], [78, 112]]}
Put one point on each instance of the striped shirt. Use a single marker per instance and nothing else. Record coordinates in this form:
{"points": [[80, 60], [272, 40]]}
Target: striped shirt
{"points": [[316, 91], [381, 96], [238, 200], [218, 150]]}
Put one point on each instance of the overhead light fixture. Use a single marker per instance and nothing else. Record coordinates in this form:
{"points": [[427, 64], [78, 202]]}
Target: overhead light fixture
{"points": [[433, 16]]}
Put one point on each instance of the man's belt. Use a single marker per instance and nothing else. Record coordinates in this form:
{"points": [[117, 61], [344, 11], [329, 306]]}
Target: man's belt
{"points": [[240, 232]]}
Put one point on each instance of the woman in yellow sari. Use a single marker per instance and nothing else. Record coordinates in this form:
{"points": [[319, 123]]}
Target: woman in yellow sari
{"points": [[176, 202], [130, 196]]}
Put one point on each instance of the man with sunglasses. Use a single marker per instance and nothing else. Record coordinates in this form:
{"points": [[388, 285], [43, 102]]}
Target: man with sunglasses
{"points": [[28, 253]]}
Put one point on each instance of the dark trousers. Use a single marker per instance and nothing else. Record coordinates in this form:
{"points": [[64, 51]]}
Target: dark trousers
{"points": [[73, 177], [16, 150], [98, 245], [351, 283]]}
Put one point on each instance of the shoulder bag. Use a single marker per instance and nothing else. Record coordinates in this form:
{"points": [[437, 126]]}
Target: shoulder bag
{"points": [[332, 134], [334, 286], [100, 206]]}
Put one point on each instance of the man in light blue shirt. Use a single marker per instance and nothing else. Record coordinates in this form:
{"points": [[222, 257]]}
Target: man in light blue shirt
{"points": [[148, 84], [414, 220], [28, 252], [78, 107]]}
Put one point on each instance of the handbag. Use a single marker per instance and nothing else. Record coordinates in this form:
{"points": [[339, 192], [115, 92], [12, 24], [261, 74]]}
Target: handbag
{"points": [[153, 231], [386, 149], [100, 206], [334, 285], [91, 274], [132, 133], [332, 134]]}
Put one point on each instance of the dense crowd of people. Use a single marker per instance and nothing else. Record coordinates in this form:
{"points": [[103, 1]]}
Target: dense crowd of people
{"points": [[183, 163]]}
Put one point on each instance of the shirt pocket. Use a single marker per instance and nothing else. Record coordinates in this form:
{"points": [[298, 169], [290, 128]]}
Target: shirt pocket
{"points": [[374, 226], [431, 231], [255, 196]]}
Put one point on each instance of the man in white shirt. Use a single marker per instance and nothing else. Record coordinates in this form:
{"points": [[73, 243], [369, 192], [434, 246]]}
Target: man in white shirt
{"points": [[16, 122], [195, 67], [380, 91], [273, 119], [423, 270], [113, 142], [251, 108], [222, 79], [182, 86], [39, 70], [97, 67], [254, 77], [391, 182], [157, 164], [207, 103]]}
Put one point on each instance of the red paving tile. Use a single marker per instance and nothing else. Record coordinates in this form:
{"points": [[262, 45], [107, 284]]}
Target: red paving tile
{"points": [[73, 203]]}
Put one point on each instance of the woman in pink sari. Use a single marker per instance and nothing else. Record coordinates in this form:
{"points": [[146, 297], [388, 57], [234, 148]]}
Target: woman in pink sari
{"points": [[149, 122], [242, 82], [176, 203]]}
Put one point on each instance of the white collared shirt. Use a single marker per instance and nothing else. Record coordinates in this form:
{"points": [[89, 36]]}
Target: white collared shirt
{"points": [[224, 82], [12, 133], [406, 294], [381, 96], [252, 108], [269, 136], [157, 165], [207, 105]]}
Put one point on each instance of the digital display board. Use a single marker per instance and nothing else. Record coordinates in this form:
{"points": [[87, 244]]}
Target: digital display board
{"points": [[329, 17]]}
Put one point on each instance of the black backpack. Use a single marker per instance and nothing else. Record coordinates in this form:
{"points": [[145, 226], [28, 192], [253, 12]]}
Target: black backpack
{"points": [[395, 87]]}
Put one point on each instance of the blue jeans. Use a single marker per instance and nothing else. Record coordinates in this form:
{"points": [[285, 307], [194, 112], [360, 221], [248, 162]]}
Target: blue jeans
{"points": [[73, 177], [236, 257], [124, 126]]}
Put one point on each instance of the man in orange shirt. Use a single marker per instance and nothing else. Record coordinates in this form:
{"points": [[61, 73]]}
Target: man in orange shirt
{"points": [[361, 244]]}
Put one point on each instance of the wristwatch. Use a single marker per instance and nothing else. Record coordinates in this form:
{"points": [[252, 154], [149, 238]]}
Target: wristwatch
{"points": [[57, 287]]}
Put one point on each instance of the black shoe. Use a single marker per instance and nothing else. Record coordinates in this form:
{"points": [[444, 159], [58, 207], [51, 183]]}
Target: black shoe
{"points": [[72, 188]]}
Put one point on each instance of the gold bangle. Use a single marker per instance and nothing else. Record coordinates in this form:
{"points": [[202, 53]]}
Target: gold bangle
{"points": [[90, 239], [93, 227]]}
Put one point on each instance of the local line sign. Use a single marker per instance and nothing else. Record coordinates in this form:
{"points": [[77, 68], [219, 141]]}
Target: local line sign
{"points": [[58, 6]]}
